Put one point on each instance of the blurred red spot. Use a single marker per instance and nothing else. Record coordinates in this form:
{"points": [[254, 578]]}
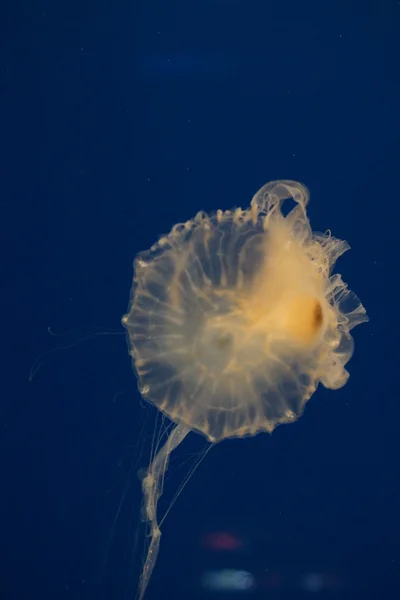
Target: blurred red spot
{"points": [[222, 541]]}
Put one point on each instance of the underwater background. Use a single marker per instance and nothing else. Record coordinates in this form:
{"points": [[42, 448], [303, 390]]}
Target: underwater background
{"points": [[120, 119]]}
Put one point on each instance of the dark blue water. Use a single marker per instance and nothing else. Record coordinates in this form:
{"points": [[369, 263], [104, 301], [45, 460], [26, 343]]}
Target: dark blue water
{"points": [[120, 119]]}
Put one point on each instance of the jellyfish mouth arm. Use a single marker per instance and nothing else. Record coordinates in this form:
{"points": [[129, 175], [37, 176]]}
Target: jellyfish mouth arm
{"points": [[152, 486]]}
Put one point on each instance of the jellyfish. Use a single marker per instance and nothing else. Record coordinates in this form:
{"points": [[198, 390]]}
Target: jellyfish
{"points": [[234, 319]]}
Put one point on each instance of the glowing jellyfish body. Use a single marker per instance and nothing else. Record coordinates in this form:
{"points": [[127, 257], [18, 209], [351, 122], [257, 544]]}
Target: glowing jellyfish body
{"points": [[234, 320]]}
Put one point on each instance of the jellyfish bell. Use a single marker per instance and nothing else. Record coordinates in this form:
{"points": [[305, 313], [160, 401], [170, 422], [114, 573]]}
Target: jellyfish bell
{"points": [[234, 320]]}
